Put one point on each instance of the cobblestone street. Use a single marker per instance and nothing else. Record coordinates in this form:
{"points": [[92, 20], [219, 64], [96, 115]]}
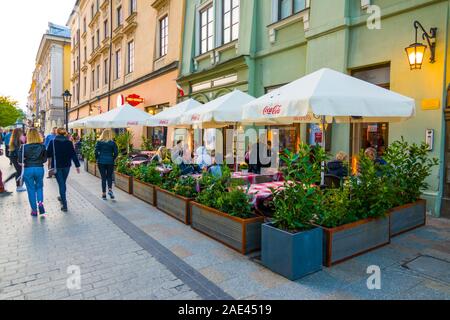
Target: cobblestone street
{"points": [[127, 249]]}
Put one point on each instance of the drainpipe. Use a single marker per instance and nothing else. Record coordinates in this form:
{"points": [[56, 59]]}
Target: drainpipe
{"points": [[110, 53]]}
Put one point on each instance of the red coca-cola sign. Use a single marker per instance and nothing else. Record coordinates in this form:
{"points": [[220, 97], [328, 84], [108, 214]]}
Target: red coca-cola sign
{"points": [[195, 117], [164, 122], [272, 111]]}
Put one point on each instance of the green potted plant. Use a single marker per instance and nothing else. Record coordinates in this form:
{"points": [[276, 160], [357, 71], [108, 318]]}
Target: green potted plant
{"points": [[88, 152], [244, 167], [222, 211], [408, 167], [123, 175], [175, 194], [354, 217], [291, 244], [145, 180]]}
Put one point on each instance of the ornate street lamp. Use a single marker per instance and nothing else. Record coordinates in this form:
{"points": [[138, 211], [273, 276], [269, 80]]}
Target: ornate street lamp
{"points": [[67, 97], [416, 51]]}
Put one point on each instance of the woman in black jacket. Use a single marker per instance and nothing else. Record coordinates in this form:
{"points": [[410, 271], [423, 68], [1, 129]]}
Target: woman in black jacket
{"points": [[33, 156], [62, 153], [106, 152], [14, 146]]}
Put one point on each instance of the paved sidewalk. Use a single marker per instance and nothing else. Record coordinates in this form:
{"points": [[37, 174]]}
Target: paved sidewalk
{"points": [[129, 250]]}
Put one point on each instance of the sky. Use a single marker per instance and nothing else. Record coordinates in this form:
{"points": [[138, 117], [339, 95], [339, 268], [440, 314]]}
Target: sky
{"points": [[22, 24]]}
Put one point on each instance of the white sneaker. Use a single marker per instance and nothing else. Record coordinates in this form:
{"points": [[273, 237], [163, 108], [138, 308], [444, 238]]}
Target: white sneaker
{"points": [[21, 189]]}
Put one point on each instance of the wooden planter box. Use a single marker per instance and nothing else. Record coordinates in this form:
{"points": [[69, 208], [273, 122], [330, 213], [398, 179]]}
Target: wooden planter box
{"points": [[293, 256], [174, 205], [351, 240], [92, 168], [144, 191], [242, 235], [408, 217], [123, 182]]}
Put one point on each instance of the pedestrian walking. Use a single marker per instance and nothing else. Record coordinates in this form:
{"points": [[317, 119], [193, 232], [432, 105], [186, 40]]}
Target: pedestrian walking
{"points": [[3, 192], [32, 156], [48, 139], [7, 140], [106, 152], [15, 144], [61, 153]]}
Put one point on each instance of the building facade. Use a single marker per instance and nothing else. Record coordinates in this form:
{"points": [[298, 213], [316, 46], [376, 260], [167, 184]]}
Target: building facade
{"points": [[256, 46], [50, 78], [123, 48]]}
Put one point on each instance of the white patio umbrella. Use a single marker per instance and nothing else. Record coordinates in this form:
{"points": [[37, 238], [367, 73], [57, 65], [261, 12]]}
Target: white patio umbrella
{"points": [[79, 124], [221, 112], [120, 117], [171, 116], [331, 94], [328, 95]]}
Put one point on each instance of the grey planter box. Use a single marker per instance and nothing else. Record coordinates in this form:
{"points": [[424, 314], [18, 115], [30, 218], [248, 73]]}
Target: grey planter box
{"points": [[408, 217], [123, 182], [144, 191], [351, 240], [92, 167], [293, 256], [242, 235], [174, 205]]}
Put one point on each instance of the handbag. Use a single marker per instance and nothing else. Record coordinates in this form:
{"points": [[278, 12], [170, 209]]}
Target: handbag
{"points": [[52, 171]]}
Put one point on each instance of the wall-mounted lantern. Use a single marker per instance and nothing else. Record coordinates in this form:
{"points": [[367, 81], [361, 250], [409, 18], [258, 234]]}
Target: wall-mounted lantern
{"points": [[416, 51]]}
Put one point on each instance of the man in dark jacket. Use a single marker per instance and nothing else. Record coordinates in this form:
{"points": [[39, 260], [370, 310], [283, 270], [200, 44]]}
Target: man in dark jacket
{"points": [[62, 153]]}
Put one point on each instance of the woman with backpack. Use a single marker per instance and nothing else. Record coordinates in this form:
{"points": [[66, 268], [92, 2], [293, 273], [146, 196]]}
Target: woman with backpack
{"points": [[106, 152], [33, 156]]}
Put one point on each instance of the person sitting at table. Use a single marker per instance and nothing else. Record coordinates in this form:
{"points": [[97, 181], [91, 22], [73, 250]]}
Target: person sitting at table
{"points": [[337, 166], [216, 169], [203, 160], [160, 156], [372, 154]]}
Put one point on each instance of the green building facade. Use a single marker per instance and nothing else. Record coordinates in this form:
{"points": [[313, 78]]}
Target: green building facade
{"points": [[259, 45]]}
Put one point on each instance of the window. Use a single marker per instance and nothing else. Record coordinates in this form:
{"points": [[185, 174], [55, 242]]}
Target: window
{"points": [[105, 66], [119, 16], [92, 12], [206, 29], [85, 53], [98, 5], [105, 29], [98, 37], [84, 25], [98, 76], [132, 6], [130, 56], [93, 43], [163, 36], [93, 80], [118, 63], [288, 8], [230, 20], [84, 87]]}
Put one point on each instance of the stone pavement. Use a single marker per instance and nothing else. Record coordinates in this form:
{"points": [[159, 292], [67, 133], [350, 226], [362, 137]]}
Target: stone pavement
{"points": [[127, 249]]}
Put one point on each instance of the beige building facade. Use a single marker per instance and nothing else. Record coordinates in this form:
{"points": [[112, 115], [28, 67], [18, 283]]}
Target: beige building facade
{"points": [[123, 48]]}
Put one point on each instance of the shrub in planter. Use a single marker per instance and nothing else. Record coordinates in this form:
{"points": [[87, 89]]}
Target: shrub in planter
{"points": [[354, 218], [223, 212], [175, 194], [124, 174], [408, 167], [88, 152], [146, 178], [292, 245]]}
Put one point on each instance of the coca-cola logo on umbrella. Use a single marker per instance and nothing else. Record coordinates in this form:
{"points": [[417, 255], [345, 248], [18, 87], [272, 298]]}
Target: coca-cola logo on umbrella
{"points": [[272, 111], [195, 117], [164, 122]]}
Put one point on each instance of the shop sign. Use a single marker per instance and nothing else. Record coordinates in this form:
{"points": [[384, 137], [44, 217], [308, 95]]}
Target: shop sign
{"points": [[372, 128], [132, 123], [134, 100], [195, 117], [164, 122]]}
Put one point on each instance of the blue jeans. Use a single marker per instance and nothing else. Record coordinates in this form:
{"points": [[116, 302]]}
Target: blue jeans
{"points": [[61, 177], [34, 180]]}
